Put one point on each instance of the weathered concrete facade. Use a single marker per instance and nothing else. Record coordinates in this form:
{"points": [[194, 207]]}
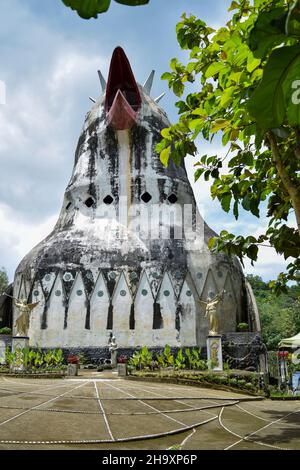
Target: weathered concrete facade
{"points": [[99, 270]]}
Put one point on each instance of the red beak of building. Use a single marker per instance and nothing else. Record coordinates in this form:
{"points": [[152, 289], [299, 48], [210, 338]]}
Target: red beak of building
{"points": [[123, 99]]}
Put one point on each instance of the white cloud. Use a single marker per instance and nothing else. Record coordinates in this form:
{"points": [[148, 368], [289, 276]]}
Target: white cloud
{"points": [[49, 77], [269, 263], [17, 237]]}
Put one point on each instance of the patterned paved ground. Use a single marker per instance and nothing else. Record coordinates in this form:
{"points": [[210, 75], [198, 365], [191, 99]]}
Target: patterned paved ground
{"points": [[93, 413]]}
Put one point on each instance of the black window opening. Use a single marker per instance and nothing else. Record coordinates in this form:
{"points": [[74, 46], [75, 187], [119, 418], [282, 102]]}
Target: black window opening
{"points": [[68, 206], [108, 199], [172, 198], [158, 322], [90, 202], [146, 197]]}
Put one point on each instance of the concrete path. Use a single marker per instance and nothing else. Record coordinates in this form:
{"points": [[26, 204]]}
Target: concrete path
{"points": [[101, 411]]}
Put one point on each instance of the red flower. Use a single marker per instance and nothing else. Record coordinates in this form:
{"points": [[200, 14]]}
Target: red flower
{"points": [[72, 359], [122, 360]]}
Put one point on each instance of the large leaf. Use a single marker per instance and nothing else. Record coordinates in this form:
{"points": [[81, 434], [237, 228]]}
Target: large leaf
{"points": [[133, 3], [274, 99], [88, 8], [91, 8], [268, 31], [213, 69]]}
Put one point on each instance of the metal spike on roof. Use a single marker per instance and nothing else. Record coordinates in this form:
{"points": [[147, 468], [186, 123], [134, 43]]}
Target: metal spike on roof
{"points": [[102, 81], [149, 82], [157, 100], [92, 99]]}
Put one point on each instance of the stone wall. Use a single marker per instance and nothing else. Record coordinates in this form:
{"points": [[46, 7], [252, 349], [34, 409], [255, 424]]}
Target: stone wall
{"points": [[241, 350]]}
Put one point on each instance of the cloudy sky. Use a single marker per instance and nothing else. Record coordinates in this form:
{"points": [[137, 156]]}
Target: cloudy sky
{"points": [[49, 58]]}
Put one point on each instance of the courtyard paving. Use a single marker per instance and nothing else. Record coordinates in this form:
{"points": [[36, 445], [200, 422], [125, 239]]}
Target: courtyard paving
{"points": [[101, 411]]}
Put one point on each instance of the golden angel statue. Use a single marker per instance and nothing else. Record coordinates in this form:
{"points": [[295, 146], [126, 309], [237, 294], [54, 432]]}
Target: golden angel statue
{"points": [[23, 320], [211, 312]]}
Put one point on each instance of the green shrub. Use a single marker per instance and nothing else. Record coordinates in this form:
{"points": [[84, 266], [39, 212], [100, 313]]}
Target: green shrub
{"points": [[179, 362], [168, 356], [82, 358], [233, 382], [241, 383], [223, 379], [9, 356], [243, 327], [249, 386], [212, 363], [216, 379], [146, 357], [5, 331], [34, 360]]}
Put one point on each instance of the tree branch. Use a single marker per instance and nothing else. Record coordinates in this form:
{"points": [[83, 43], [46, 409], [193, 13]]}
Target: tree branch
{"points": [[291, 188]]}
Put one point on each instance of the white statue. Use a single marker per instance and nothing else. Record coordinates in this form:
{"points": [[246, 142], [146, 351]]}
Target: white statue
{"points": [[113, 349], [211, 312]]}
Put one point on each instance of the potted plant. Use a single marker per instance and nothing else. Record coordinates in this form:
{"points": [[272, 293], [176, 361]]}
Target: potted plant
{"points": [[122, 366], [73, 364]]}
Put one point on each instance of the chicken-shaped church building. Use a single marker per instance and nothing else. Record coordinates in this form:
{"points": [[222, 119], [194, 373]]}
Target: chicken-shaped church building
{"points": [[128, 254]]}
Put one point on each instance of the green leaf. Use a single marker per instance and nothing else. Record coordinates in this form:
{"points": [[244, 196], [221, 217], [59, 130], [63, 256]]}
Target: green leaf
{"points": [[254, 206], [268, 31], [91, 8], [219, 124], [197, 174], [132, 3], [276, 97], [246, 158], [246, 202], [236, 209], [252, 63], [252, 252], [166, 133], [166, 76], [234, 6], [212, 242], [226, 96], [195, 123], [213, 69], [88, 8], [225, 202], [178, 88], [173, 64], [165, 155]]}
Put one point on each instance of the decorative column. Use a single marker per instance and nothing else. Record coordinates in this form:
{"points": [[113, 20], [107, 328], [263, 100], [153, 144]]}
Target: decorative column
{"points": [[214, 352], [18, 344]]}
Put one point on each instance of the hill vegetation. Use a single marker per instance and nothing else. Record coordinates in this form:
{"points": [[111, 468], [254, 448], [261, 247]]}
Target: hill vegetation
{"points": [[280, 315]]}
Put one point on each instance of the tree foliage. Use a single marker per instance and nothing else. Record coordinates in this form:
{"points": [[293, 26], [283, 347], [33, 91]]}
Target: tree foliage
{"points": [[91, 8], [3, 281], [279, 315], [249, 93]]}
